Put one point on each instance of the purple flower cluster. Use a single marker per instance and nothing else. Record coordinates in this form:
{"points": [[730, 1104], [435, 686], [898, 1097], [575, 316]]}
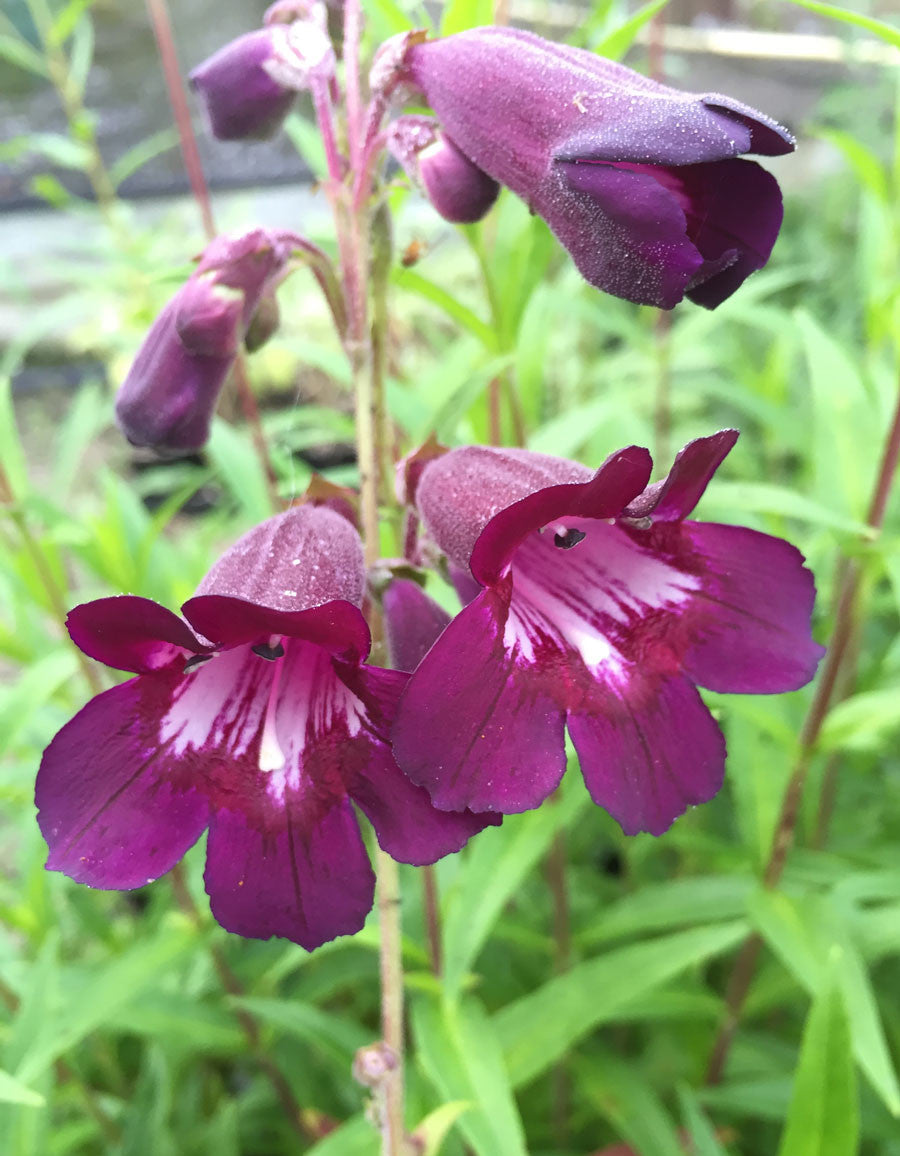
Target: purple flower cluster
{"points": [[596, 606], [590, 602]]}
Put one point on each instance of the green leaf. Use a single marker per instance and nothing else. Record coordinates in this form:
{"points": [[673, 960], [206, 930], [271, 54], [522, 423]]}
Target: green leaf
{"points": [[823, 1119], [622, 1095], [414, 282], [704, 1141], [459, 1052], [765, 498], [13, 1091], [536, 1030], [495, 865], [239, 470], [332, 1035], [887, 32], [862, 722], [141, 154], [81, 53], [430, 1132], [663, 906], [16, 51], [805, 935], [462, 14], [615, 44], [110, 987], [39, 682]]}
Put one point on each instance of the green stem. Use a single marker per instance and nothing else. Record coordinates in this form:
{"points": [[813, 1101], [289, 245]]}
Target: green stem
{"points": [[80, 126]]}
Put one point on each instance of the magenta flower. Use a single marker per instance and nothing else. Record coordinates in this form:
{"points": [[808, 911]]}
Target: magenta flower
{"points": [[260, 721], [600, 609], [638, 181], [169, 395]]}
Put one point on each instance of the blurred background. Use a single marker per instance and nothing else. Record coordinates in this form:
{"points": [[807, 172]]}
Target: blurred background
{"points": [[574, 1017]]}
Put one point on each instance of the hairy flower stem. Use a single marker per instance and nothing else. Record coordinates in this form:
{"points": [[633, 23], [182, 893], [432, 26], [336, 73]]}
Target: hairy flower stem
{"points": [[233, 987], [555, 873], [845, 626], [353, 222]]}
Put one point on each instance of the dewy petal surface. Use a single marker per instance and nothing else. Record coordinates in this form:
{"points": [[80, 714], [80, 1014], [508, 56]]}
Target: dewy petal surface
{"points": [[306, 882], [115, 805], [648, 749], [478, 725], [531, 114]]}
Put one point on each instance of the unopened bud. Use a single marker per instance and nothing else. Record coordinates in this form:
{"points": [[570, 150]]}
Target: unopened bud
{"points": [[242, 99], [373, 1063], [459, 190]]}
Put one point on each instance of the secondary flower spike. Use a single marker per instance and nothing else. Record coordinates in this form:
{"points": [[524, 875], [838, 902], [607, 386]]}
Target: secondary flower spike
{"points": [[256, 718], [601, 607], [640, 182], [168, 396]]}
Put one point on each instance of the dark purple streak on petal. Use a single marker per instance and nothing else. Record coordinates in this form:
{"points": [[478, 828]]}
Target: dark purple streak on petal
{"points": [[305, 883], [648, 749], [116, 807], [477, 726]]}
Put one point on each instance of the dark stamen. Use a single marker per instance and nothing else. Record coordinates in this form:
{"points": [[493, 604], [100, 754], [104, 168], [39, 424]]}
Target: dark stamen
{"points": [[196, 660], [268, 652], [569, 539]]}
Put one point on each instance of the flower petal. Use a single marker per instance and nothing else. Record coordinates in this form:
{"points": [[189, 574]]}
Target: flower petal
{"points": [[676, 495], [626, 231], [305, 881], [620, 479], [408, 825], [477, 727], [337, 626], [749, 622], [131, 633], [117, 808], [413, 622], [648, 749]]}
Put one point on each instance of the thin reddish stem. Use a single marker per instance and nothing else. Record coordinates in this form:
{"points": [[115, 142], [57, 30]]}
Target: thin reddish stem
{"points": [[165, 42], [845, 626]]}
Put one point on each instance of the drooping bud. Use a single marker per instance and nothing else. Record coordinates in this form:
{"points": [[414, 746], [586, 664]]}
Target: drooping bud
{"points": [[243, 100], [168, 396], [264, 322], [459, 190]]}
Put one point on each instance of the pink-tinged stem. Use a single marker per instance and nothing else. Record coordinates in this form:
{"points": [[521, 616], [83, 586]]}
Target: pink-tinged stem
{"points": [[352, 36], [325, 119], [845, 626], [165, 43]]}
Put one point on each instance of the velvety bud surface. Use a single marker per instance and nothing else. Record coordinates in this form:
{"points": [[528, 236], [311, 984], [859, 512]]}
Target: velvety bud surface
{"points": [[637, 180], [170, 392], [601, 608], [459, 190], [241, 98], [257, 719]]}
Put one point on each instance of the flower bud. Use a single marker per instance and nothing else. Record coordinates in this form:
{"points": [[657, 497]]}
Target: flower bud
{"points": [[170, 392], [459, 190], [242, 99]]}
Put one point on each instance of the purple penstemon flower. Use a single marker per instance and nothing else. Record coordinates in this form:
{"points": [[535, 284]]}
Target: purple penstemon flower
{"points": [[256, 718], [600, 608], [170, 392], [640, 182]]}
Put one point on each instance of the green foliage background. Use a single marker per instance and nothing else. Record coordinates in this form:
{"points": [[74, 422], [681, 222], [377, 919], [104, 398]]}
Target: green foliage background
{"points": [[116, 1035]]}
